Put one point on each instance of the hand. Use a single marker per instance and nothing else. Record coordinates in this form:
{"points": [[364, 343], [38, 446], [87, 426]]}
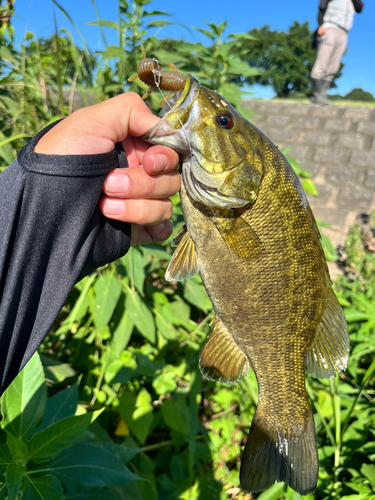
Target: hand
{"points": [[136, 195], [321, 30]]}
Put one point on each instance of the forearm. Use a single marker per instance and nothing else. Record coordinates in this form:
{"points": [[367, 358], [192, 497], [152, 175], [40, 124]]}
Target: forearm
{"points": [[53, 235]]}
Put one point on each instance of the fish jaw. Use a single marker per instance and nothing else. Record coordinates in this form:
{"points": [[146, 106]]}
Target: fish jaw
{"points": [[173, 130]]}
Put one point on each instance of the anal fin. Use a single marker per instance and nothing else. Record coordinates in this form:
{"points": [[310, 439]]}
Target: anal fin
{"points": [[329, 351], [221, 359], [184, 263]]}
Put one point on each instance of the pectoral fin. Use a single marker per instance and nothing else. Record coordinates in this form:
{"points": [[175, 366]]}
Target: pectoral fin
{"points": [[221, 358], [329, 350], [240, 237], [184, 263]]}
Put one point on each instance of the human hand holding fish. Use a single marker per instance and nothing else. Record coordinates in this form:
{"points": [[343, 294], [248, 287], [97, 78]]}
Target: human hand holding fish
{"points": [[248, 224], [136, 195]]}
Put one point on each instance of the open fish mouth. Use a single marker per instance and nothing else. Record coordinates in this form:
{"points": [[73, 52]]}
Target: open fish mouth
{"points": [[174, 131]]}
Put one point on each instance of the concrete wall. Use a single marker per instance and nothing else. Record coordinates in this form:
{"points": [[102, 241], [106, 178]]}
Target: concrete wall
{"points": [[336, 144]]}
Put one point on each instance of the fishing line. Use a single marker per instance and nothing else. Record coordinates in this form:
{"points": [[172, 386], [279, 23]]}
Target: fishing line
{"points": [[157, 79]]}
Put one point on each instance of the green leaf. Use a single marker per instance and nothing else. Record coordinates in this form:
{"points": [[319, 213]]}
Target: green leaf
{"points": [[107, 293], [329, 249], [80, 307], [11, 139], [5, 458], [158, 22], [358, 497], [134, 264], [7, 55], [106, 24], [137, 412], [309, 187], [88, 465], [112, 52], [55, 371], [13, 478], [165, 327], [61, 405], [141, 315], [195, 293], [124, 453], [368, 470], [241, 68], [176, 415], [154, 251], [49, 442], [122, 334], [24, 401], [272, 493], [17, 448], [43, 488], [165, 382], [155, 13]]}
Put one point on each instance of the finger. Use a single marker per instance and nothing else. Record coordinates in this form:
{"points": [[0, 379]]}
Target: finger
{"points": [[96, 129], [144, 212], [155, 234], [134, 149], [160, 159], [135, 183]]}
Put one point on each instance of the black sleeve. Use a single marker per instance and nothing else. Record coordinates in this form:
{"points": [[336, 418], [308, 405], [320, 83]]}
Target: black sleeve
{"points": [[322, 9], [52, 234], [358, 6]]}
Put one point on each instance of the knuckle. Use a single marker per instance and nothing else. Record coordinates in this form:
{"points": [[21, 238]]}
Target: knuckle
{"points": [[169, 207], [144, 212]]}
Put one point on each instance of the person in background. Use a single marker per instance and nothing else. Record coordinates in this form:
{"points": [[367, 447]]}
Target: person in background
{"points": [[335, 19], [69, 205]]}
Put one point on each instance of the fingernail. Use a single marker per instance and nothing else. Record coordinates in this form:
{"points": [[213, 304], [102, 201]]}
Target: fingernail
{"points": [[160, 163], [117, 183], [113, 207]]}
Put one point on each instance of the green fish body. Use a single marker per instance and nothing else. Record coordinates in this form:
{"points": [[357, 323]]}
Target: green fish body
{"points": [[251, 235]]}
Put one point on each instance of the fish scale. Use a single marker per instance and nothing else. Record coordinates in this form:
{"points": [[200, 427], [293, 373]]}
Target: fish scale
{"points": [[251, 234]]}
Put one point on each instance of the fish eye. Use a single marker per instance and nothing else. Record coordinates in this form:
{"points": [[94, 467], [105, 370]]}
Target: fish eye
{"points": [[224, 120]]}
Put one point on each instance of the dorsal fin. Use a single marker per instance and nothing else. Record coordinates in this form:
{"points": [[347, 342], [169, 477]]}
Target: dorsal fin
{"points": [[221, 358], [184, 263], [329, 350]]}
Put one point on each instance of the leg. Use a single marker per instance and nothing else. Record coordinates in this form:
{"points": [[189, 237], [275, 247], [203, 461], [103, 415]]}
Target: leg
{"points": [[330, 50], [340, 43]]}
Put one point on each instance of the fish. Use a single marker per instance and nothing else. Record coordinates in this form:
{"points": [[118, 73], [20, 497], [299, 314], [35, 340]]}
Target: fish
{"points": [[251, 234]]}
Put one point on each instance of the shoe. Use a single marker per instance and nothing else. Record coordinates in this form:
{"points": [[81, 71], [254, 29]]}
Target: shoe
{"points": [[319, 90]]}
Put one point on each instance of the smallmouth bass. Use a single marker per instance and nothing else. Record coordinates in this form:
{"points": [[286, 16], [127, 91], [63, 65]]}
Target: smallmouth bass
{"points": [[251, 235]]}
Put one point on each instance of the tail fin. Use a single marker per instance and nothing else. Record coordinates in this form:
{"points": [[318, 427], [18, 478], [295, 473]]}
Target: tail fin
{"points": [[280, 455]]}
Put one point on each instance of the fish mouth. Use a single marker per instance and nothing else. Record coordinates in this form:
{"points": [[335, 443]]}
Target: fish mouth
{"points": [[175, 136], [173, 131]]}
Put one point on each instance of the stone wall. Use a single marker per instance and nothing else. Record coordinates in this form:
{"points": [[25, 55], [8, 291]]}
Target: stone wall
{"points": [[336, 144]]}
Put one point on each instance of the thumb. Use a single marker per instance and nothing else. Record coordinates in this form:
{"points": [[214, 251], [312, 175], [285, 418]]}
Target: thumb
{"points": [[96, 129]]}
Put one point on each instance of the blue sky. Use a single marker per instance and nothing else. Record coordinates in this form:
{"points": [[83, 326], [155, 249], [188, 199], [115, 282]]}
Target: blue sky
{"points": [[242, 15]]}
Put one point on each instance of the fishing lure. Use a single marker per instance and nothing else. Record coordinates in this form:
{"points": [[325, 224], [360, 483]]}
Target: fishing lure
{"points": [[149, 72]]}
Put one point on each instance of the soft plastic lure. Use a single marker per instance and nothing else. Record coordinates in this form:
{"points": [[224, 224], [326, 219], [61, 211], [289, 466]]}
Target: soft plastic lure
{"points": [[149, 72]]}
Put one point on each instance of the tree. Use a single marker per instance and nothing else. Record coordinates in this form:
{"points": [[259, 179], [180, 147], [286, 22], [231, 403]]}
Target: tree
{"points": [[359, 95], [284, 59]]}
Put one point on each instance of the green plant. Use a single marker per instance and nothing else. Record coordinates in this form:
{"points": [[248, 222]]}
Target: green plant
{"points": [[121, 361], [46, 443]]}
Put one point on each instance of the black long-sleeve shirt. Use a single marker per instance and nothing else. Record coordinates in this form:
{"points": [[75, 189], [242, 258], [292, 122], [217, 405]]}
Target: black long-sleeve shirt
{"points": [[52, 234]]}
